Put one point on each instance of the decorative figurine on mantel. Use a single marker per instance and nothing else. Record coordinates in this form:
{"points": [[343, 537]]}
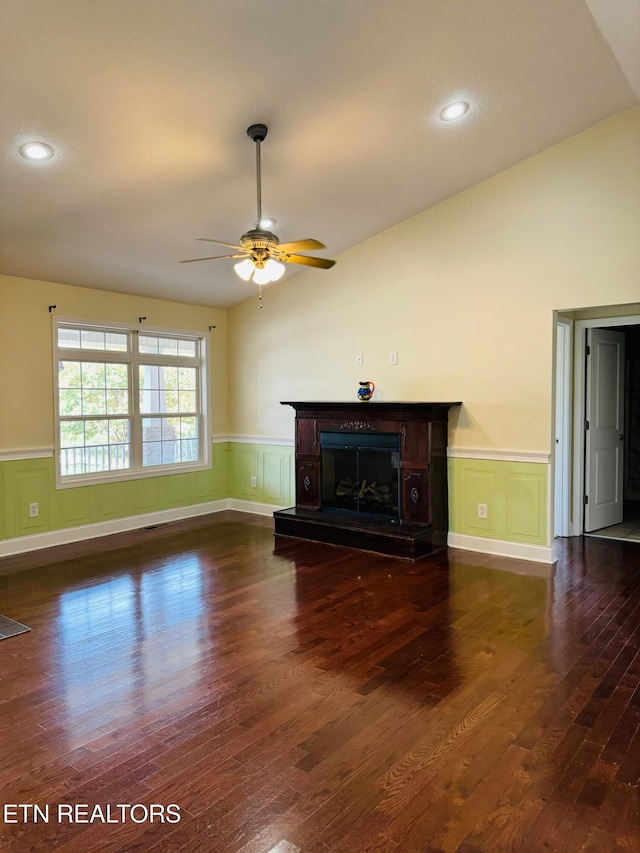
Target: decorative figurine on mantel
{"points": [[365, 391]]}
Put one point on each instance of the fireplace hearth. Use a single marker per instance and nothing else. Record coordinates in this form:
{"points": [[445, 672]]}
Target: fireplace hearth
{"points": [[371, 476]]}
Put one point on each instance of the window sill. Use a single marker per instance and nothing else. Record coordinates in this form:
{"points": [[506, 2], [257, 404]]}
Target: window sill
{"points": [[74, 482]]}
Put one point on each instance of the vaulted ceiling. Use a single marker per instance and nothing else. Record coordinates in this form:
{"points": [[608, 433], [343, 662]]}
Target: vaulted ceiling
{"points": [[146, 104]]}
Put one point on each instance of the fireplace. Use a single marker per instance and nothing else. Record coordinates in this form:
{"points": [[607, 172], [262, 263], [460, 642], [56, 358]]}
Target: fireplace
{"points": [[359, 474], [371, 476]]}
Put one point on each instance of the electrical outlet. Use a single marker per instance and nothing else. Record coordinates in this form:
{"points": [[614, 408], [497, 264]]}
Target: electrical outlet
{"points": [[359, 359], [253, 482], [34, 510], [482, 511], [393, 358]]}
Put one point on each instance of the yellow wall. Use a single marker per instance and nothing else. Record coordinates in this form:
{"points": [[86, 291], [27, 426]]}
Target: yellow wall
{"points": [[26, 385], [464, 292]]}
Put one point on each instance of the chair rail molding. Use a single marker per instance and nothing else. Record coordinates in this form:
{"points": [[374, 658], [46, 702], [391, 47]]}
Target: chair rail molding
{"points": [[19, 455], [495, 455]]}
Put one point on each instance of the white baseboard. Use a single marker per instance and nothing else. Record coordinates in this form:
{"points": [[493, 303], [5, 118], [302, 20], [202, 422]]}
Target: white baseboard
{"points": [[36, 541], [501, 548], [252, 507], [67, 535]]}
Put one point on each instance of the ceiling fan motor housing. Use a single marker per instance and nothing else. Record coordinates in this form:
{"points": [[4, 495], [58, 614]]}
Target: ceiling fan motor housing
{"points": [[259, 239], [260, 244]]}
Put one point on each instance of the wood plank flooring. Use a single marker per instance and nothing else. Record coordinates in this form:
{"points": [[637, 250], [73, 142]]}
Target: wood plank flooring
{"points": [[303, 697]]}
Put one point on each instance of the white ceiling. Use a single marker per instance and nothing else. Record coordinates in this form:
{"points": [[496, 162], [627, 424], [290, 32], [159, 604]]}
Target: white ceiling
{"points": [[146, 103]]}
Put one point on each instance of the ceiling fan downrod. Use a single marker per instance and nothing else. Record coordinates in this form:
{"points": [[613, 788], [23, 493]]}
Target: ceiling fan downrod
{"points": [[258, 132]]}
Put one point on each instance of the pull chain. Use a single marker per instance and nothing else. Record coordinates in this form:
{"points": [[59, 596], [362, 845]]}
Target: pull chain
{"points": [[260, 291]]}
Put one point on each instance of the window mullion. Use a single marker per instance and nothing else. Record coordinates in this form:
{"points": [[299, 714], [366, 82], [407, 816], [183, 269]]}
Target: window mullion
{"points": [[136, 417], [201, 413], [96, 356]]}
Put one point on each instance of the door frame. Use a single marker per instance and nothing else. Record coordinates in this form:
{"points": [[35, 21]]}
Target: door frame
{"points": [[562, 427], [579, 403]]}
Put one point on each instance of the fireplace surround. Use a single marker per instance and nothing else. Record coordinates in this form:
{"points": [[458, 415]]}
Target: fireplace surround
{"points": [[371, 476]]}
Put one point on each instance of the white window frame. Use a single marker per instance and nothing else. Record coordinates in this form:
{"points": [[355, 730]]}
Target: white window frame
{"points": [[135, 359]]}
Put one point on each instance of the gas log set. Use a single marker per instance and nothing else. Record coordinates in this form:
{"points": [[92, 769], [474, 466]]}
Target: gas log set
{"points": [[364, 491]]}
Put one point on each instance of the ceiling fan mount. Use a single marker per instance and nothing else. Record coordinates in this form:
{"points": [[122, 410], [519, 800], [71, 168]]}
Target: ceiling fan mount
{"points": [[257, 132], [261, 253]]}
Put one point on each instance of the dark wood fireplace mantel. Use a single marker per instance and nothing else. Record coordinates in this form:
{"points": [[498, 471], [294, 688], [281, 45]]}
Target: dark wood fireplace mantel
{"points": [[386, 406], [422, 521]]}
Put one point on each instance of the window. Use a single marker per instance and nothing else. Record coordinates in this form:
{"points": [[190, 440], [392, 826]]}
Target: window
{"points": [[128, 403]]}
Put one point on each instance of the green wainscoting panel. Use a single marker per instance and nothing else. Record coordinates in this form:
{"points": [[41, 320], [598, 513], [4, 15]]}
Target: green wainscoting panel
{"points": [[2, 506], [74, 506], [149, 495], [526, 507], [515, 494], [271, 465], [33, 486], [201, 486], [245, 466], [19, 477], [27, 481], [112, 500], [480, 487], [176, 490], [273, 475], [221, 470]]}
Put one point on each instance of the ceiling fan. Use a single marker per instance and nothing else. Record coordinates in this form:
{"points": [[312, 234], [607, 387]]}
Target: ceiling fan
{"points": [[263, 255]]}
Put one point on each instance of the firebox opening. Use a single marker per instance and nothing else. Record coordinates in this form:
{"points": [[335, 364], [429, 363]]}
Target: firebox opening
{"points": [[360, 473]]}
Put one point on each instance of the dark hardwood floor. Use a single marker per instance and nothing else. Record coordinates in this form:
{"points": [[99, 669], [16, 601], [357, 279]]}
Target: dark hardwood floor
{"points": [[307, 697]]}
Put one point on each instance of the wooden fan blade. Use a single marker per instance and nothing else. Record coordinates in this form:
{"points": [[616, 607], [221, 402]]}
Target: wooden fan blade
{"points": [[301, 246], [214, 258], [323, 263], [219, 243]]}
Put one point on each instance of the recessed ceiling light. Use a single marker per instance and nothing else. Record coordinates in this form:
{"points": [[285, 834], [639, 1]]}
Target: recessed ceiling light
{"points": [[36, 151], [453, 111], [267, 222]]}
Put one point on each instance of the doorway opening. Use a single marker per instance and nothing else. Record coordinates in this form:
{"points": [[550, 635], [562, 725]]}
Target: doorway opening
{"points": [[600, 496], [612, 435]]}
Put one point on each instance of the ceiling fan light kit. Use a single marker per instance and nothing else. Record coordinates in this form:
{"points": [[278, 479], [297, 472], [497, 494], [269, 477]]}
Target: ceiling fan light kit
{"points": [[262, 255], [270, 271]]}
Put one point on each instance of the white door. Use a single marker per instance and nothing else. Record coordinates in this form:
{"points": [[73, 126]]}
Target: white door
{"points": [[604, 439]]}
